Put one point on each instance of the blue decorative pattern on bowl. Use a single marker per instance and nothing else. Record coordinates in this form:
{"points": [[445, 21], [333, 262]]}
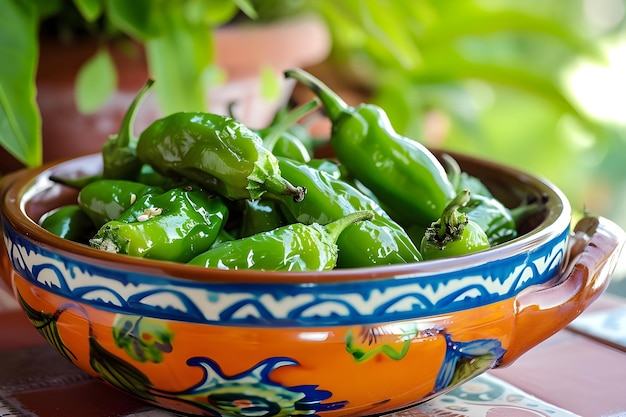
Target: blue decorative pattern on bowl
{"points": [[400, 297]]}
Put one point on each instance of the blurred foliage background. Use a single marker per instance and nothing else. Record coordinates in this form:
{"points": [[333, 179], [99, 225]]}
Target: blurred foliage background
{"points": [[499, 79], [539, 84]]}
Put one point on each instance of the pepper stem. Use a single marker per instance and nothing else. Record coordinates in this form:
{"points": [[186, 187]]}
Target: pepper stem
{"points": [[279, 185], [453, 170], [333, 104], [269, 141], [125, 135], [119, 151], [335, 228], [452, 222]]}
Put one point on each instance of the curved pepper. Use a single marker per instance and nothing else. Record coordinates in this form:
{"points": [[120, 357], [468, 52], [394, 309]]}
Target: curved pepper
{"points": [[409, 181], [454, 234], [105, 199], [295, 247], [380, 241], [119, 154], [68, 222], [218, 152], [173, 226]]}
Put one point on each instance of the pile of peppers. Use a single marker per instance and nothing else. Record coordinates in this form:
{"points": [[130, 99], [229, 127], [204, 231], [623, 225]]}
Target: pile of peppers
{"points": [[205, 189]]}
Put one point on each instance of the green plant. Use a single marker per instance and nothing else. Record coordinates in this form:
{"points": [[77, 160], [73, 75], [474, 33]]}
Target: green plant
{"points": [[178, 45], [422, 54], [490, 74]]}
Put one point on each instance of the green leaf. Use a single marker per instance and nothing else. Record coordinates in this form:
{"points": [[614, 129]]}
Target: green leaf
{"points": [[95, 83], [20, 121], [481, 22], [451, 68], [247, 8], [118, 372], [140, 19], [90, 9], [47, 8], [178, 62], [210, 12], [46, 325]]}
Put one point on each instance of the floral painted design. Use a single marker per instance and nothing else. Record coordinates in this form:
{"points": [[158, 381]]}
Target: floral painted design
{"points": [[46, 325], [464, 360], [369, 346], [249, 393], [253, 393], [143, 338]]}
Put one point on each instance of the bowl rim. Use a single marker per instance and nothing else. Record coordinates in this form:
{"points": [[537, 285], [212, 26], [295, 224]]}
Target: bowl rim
{"points": [[28, 182]]}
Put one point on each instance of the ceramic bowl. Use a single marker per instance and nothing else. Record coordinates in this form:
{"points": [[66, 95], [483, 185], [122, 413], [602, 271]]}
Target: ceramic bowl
{"points": [[360, 341]]}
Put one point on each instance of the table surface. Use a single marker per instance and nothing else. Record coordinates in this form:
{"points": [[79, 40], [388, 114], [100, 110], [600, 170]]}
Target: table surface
{"points": [[576, 370]]}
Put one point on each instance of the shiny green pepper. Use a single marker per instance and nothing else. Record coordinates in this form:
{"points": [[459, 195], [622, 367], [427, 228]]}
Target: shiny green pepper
{"points": [[173, 226], [295, 247], [289, 145], [68, 222], [217, 152], [105, 199], [329, 166], [380, 241], [453, 234], [407, 178], [260, 216], [497, 221], [493, 218], [77, 183]]}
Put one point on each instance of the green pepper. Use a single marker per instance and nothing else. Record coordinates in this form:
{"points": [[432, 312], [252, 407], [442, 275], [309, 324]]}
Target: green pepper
{"points": [[68, 222], [380, 241], [329, 166], [119, 154], [409, 181], [260, 216], [174, 226], [222, 236], [289, 145], [105, 199], [295, 247], [493, 218], [76, 183], [147, 175], [453, 234], [218, 152], [498, 221]]}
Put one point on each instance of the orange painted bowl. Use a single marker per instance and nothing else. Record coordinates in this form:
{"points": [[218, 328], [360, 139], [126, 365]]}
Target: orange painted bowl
{"points": [[361, 341]]}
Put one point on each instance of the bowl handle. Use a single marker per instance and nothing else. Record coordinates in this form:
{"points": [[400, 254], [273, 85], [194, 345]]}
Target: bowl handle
{"points": [[542, 310]]}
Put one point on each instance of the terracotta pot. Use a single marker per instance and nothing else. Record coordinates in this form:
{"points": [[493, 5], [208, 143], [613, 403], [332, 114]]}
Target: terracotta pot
{"points": [[242, 51]]}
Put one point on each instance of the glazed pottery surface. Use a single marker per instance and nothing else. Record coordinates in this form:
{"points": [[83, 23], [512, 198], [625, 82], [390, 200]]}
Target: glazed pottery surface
{"points": [[345, 342]]}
